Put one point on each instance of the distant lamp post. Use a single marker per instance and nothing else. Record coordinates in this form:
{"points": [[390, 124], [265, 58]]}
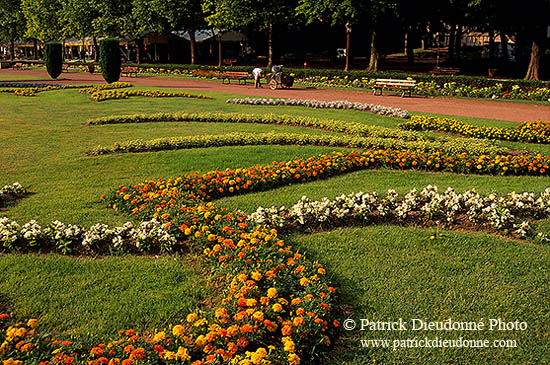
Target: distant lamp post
{"points": [[348, 33]]}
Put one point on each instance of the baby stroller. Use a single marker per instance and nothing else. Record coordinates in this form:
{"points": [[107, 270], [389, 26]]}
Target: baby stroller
{"points": [[279, 78]]}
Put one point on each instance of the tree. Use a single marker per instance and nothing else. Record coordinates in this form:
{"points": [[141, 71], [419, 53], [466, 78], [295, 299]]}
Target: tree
{"points": [[163, 16], [262, 14], [53, 55], [43, 18], [12, 23], [336, 12], [109, 59]]}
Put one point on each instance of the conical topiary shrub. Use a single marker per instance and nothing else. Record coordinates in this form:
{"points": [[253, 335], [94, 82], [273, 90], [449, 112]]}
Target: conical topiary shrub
{"points": [[109, 59], [53, 56]]}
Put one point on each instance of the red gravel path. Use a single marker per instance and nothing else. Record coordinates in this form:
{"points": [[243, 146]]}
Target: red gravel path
{"points": [[500, 110]]}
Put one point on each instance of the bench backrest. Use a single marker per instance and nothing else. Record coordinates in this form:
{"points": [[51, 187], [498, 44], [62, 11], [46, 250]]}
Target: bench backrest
{"points": [[236, 73], [395, 82]]}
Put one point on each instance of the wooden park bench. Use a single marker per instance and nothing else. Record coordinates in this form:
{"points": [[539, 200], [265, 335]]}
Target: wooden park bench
{"points": [[129, 71], [404, 86], [234, 75], [445, 71], [68, 67], [229, 61]]}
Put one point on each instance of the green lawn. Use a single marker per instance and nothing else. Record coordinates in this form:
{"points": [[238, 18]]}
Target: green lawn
{"points": [[77, 296], [383, 272]]}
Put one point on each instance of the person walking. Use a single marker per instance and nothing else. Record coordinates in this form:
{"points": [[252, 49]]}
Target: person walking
{"points": [[257, 73]]}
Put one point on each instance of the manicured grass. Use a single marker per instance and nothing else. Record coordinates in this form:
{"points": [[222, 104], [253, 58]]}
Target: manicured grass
{"points": [[383, 271], [20, 77], [75, 296], [387, 273]]}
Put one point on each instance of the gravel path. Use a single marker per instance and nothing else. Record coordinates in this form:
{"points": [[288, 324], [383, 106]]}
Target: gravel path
{"points": [[500, 110]]}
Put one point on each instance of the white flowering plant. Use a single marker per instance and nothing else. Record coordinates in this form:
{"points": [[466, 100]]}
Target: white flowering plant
{"points": [[508, 214]]}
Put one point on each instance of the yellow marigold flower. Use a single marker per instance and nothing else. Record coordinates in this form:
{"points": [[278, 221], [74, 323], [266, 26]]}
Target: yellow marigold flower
{"points": [[289, 344], [192, 317], [303, 281], [178, 330], [251, 302], [258, 356], [183, 355], [11, 361], [271, 293], [256, 275], [159, 337], [293, 359], [33, 323], [200, 341], [277, 307], [258, 316]]}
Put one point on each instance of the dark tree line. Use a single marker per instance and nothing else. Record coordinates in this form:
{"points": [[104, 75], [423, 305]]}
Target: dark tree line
{"points": [[418, 21]]}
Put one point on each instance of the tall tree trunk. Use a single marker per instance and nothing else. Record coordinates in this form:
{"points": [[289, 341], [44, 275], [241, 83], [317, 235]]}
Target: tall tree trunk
{"points": [[139, 50], [374, 55], [410, 46], [451, 48], [458, 41], [534, 63], [491, 49], [270, 44], [12, 49], [34, 49], [504, 47], [96, 49], [219, 49], [348, 35], [192, 46]]}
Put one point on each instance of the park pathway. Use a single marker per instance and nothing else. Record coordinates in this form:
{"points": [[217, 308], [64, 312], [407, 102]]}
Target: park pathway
{"points": [[501, 110]]}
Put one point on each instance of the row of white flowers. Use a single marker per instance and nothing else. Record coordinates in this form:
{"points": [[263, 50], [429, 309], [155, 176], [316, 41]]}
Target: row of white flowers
{"points": [[149, 236], [11, 192], [505, 214], [319, 104]]}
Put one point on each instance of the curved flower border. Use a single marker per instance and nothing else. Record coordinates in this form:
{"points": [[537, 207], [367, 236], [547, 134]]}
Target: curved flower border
{"points": [[319, 104]]}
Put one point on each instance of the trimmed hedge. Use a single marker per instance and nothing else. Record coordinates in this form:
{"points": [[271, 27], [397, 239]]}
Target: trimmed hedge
{"points": [[53, 56], [109, 59]]}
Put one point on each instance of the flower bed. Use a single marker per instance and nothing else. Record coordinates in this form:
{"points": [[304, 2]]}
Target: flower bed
{"points": [[318, 104], [506, 215], [358, 129], [31, 89], [11, 192], [244, 139], [531, 132], [147, 237], [276, 305], [125, 94], [91, 89]]}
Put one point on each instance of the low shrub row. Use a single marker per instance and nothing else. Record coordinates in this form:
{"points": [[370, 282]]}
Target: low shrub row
{"points": [[125, 94], [245, 139], [318, 104], [11, 192], [506, 215], [531, 132]]}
